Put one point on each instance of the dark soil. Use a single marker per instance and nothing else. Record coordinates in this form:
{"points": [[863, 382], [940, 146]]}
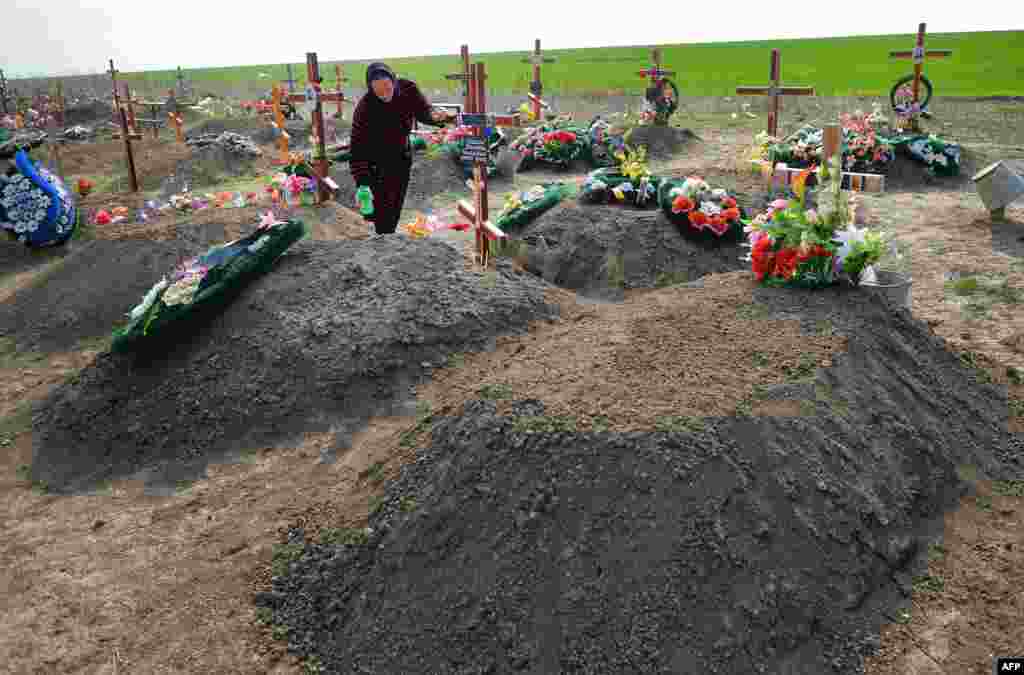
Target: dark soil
{"points": [[662, 142], [330, 337], [15, 257], [768, 545], [571, 246], [93, 289], [87, 114]]}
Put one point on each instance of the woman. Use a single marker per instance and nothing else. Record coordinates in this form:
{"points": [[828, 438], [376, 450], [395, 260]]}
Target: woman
{"points": [[381, 158]]}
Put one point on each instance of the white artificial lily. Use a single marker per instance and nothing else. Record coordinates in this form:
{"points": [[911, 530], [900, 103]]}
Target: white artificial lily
{"points": [[848, 238], [150, 298]]}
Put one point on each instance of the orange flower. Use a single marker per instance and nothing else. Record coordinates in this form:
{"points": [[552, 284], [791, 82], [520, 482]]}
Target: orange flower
{"points": [[681, 203], [698, 219], [731, 213], [800, 182], [729, 203], [718, 224]]}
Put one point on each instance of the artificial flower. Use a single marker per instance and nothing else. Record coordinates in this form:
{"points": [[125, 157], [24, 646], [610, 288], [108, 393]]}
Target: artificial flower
{"points": [[681, 203], [103, 218]]}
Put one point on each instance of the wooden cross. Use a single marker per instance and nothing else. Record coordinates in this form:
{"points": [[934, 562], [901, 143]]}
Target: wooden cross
{"points": [[478, 119], [124, 131], [464, 76], [339, 76], [655, 72], [325, 186], [774, 90], [536, 88], [918, 55], [4, 96]]}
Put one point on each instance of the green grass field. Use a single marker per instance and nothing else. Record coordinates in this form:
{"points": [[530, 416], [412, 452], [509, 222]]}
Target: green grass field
{"points": [[982, 64]]}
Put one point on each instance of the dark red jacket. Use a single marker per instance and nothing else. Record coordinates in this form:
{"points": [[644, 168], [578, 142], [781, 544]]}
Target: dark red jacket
{"points": [[380, 131]]}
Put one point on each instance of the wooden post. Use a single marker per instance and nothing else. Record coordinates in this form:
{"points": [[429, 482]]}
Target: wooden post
{"points": [[291, 80], [918, 55], [773, 91], [176, 120], [536, 88], [282, 141], [124, 132], [320, 151], [831, 138]]}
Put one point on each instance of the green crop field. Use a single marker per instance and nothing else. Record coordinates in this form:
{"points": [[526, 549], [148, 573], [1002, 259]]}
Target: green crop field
{"points": [[982, 64]]}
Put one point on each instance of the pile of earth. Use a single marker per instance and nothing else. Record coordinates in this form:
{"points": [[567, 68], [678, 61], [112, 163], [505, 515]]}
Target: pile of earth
{"points": [[662, 142], [87, 113], [587, 247], [430, 179], [755, 544], [336, 333], [229, 142]]}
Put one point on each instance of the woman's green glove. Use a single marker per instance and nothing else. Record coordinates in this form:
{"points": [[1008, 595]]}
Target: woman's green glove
{"points": [[365, 198]]}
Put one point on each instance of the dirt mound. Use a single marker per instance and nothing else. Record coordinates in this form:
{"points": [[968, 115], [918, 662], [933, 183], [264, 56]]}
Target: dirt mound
{"points": [[578, 246], [95, 286], [662, 142], [330, 337], [905, 174], [753, 544], [89, 113]]}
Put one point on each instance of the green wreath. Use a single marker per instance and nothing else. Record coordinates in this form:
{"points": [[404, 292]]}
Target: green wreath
{"points": [[902, 81], [663, 111]]}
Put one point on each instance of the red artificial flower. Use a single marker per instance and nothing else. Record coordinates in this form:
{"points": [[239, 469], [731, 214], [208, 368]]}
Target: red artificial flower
{"points": [[718, 224], [763, 258], [566, 136], [102, 218], [681, 204], [732, 213], [729, 203], [698, 219], [786, 262]]}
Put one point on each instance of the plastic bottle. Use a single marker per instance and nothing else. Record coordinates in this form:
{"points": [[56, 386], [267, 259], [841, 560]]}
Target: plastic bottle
{"points": [[365, 197]]}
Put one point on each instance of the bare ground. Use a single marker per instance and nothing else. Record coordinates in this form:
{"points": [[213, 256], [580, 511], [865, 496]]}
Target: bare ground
{"points": [[123, 582]]}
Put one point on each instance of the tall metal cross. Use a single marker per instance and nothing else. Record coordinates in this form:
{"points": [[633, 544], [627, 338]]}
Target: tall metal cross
{"points": [[773, 91], [464, 76], [918, 55], [476, 150], [655, 72], [4, 96], [536, 88]]}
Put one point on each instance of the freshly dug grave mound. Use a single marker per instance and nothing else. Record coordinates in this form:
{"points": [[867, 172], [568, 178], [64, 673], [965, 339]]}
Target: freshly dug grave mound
{"points": [[578, 246], [430, 179], [87, 113], [247, 126], [662, 142], [331, 336], [905, 174], [754, 544], [95, 286]]}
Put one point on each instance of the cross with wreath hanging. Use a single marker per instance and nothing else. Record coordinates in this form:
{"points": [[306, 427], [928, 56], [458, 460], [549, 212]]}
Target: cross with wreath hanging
{"points": [[663, 104]]}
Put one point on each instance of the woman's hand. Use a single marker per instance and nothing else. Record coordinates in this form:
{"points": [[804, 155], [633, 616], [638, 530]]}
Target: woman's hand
{"points": [[441, 116]]}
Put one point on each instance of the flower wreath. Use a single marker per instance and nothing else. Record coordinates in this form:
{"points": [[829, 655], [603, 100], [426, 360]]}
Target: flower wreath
{"points": [[556, 144], [700, 212], [900, 89], [663, 108]]}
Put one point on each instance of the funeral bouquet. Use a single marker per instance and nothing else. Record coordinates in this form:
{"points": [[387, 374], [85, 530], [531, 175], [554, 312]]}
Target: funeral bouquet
{"points": [[208, 280], [521, 208], [790, 244], [864, 148], [557, 144], [697, 210], [630, 182]]}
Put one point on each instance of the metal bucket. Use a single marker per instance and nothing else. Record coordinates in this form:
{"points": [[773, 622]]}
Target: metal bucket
{"points": [[998, 185], [893, 287]]}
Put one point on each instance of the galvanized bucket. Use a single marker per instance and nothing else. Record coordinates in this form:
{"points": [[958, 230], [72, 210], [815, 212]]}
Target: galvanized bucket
{"points": [[998, 185], [892, 287]]}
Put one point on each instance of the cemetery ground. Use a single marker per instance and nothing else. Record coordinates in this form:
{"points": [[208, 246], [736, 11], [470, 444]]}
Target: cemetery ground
{"points": [[123, 579]]}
